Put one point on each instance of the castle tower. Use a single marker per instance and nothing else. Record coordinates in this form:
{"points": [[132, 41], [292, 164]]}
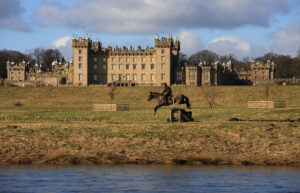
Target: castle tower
{"points": [[16, 72], [81, 48], [167, 59]]}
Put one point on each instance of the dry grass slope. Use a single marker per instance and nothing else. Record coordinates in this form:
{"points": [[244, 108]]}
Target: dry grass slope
{"points": [[58, 126]]}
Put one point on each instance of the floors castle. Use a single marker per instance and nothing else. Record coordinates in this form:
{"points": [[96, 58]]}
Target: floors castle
{"points": [[95, 65]]}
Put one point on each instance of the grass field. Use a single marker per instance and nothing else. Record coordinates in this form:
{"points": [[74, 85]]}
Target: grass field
{"points": [[58, 126]]}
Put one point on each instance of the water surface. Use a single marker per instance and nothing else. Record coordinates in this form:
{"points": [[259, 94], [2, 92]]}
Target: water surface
{"points": [[149, 179]]}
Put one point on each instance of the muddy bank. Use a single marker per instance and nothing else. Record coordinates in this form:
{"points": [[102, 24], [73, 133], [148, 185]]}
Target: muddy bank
{"points": [[196, 143]]}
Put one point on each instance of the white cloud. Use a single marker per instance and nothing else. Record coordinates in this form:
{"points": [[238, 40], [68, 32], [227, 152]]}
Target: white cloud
{"points": [[287, 41], [64, 45], [62, 41], [230, 45], [162, 16], [190, 42]]}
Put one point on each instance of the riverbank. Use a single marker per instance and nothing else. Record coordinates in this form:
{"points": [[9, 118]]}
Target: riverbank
{"points": [[57, 126]]}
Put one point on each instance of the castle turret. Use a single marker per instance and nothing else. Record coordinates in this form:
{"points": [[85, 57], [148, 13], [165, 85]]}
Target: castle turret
{"points": [[81, 49]]}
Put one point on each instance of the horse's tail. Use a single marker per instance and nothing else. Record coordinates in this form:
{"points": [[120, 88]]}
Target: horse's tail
{"points": [[187, 101]]}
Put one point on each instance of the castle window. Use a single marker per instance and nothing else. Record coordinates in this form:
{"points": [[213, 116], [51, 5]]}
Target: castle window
{"points": [[162, 58], [179, 76], [162, 66], [162, 51], [112, 66], [143, 66], [79, 76], [79, 58], [120, 59], [120, 76], [127, 77], [104, 59], [79, 51], [152, 77], [152, 66], [206, 75], [162, 76], [152, 59], [143, 59], [120, 66], [134, 66], [104, 78], [134, 77], [95, 59], [79, 65], [192, 76], [95, 77], [113, 59], [143, 77], [113, 77], [95, 66], [104, 66], [134, 59], [127, 59], [127, 66]]}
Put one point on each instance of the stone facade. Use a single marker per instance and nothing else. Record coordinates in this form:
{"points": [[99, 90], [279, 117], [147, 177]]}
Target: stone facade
{"points": [[94, 64], [16, 74]]}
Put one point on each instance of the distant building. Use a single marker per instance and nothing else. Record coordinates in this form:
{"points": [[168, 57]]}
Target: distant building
{"points": [[17, 75]]}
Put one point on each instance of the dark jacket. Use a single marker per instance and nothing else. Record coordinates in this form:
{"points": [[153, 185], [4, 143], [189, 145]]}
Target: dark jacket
{"points": [[167, 92]]}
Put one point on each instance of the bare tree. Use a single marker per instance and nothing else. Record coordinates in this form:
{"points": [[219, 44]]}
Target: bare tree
{"points": [[267, 91], [111, 92], [211, 95], [206, 56]]}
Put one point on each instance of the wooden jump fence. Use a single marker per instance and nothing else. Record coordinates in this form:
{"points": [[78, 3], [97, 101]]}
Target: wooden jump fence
{"points": [[111, 107], [266, 104]]}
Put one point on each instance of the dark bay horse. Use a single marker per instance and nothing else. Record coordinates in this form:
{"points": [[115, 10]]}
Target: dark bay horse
{"points": [[179, 98]]}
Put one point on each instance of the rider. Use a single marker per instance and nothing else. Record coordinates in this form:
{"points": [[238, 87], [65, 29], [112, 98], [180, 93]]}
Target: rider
{"points": [[167, 93]]}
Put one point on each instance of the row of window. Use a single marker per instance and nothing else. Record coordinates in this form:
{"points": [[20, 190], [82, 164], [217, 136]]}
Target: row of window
{"points": [[127, 77], [127, 66], [134, 66], [134, 77], [113, 59], [134, 59], [192, 75]]}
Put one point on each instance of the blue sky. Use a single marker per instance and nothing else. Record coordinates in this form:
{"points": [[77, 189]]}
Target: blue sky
{"points": [[245, 28]]}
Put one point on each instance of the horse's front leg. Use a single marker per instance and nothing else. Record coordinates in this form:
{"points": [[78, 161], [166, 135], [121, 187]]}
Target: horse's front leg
{"points": [[155, 109]]}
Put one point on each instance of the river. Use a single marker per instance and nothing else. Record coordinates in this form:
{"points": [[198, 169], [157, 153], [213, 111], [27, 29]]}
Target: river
{"points": [[144, 178]]}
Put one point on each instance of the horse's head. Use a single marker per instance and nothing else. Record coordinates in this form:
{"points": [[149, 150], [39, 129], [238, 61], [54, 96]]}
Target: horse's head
{"points": [[150, 96]]}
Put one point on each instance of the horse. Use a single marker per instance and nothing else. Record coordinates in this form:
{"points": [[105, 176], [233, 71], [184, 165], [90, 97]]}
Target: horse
{"points": [[179, 98]]}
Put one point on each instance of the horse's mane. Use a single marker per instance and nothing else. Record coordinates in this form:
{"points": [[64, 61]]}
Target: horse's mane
{"points": [[155, 93]]}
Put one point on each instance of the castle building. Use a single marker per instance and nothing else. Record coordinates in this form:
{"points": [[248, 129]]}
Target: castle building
{"points": [[258, 73], [16, 71], [18, 76], [93, 64]]}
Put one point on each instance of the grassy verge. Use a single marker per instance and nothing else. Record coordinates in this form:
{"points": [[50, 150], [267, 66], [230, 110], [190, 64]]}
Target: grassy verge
{"points": [[58, 126]]}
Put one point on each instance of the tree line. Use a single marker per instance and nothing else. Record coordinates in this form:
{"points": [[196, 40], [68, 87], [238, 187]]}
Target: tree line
{"points": [[40, 56], [285, 65]]}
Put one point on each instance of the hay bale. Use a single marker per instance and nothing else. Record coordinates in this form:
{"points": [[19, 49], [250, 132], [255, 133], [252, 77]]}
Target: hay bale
{"points": [[111, 107], [266, 104]]}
